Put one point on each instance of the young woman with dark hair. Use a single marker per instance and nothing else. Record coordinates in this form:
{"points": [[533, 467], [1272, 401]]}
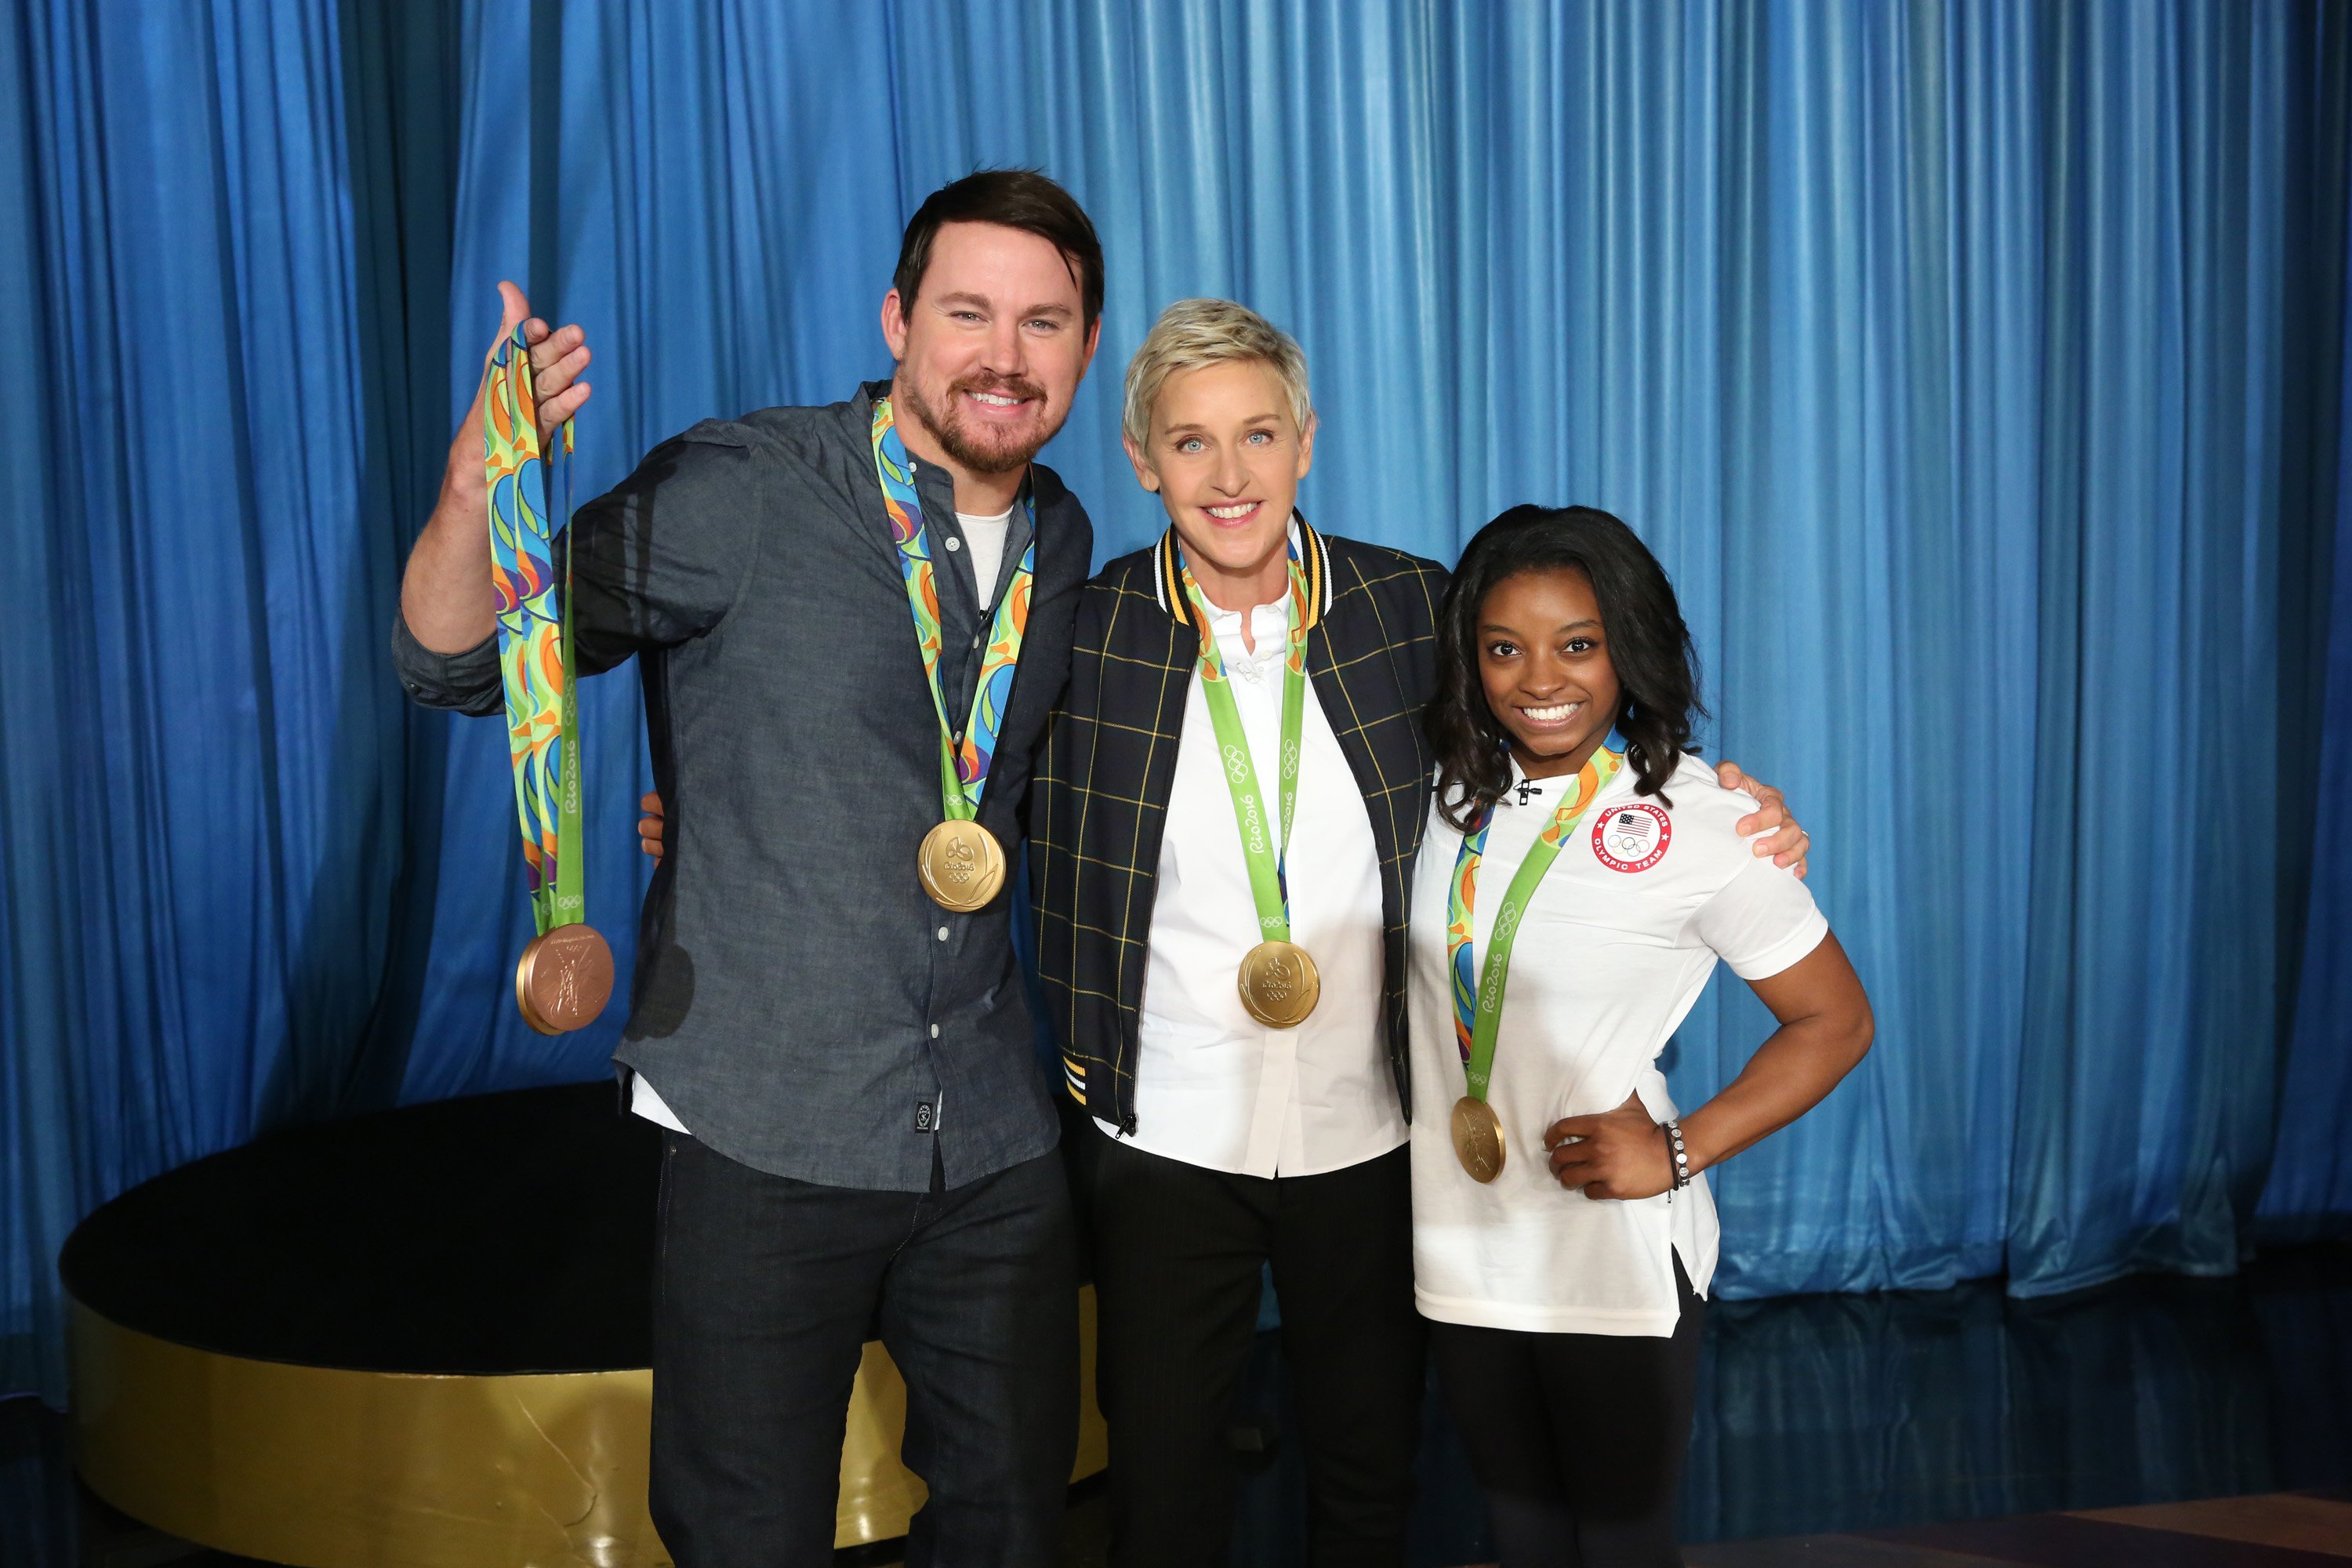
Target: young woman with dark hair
{"points": [[1580, 876]]}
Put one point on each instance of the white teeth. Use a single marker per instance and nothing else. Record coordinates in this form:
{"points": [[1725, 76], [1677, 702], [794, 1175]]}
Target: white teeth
{"points": [[1231, 512], [995, 400], [1552, 715]]}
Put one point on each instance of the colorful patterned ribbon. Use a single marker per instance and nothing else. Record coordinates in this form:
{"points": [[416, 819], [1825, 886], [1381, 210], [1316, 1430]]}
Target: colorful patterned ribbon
{"points": [[1478, 1013], [965, 756], [1269, 872], [534, 636]]}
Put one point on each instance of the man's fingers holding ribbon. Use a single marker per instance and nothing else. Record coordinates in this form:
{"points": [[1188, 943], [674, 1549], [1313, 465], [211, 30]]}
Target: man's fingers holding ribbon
{"points": [[557, 358], [558, 355]]}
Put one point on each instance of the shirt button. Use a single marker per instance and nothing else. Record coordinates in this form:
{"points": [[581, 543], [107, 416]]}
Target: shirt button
{"points": [[935, 1031], [943, 933], [954, 543], [975, 641]]}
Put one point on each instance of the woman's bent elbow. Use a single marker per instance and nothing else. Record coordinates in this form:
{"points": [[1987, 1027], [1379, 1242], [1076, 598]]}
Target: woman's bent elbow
{"points": [[1861, 1029]]}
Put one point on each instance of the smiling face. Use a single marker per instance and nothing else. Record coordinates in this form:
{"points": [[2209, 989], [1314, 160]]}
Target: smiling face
{"points": [[1543, 660], [1226, 454], [990, 351]]}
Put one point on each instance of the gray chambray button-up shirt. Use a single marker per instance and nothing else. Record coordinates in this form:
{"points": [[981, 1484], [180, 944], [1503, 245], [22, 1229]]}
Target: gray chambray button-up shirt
{"points": [[797, 997]]}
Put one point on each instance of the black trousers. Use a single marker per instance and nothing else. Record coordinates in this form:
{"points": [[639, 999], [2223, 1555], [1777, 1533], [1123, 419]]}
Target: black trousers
{"points": [[1576, 1439], [1179, 1253], [766, 1290]]}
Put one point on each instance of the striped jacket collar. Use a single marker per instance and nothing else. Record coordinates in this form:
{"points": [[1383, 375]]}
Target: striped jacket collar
{"points": [[1168, 577]]}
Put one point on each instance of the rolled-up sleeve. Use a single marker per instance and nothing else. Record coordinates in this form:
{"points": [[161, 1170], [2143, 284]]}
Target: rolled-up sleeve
{"points": [[468, 681]]}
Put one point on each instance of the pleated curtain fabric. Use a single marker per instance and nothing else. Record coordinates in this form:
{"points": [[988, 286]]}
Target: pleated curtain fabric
{"points": [[200, 755], [1976, 370]]}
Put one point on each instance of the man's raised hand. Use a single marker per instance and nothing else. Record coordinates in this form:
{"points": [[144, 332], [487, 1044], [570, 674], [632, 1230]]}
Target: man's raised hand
{"points": [[445, 592], [558, 357]]}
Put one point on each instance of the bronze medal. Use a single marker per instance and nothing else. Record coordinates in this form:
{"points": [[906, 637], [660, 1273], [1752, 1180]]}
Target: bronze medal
{"points": [[1478, 1138], [962, 866], [564, 979], [1279, 984]]}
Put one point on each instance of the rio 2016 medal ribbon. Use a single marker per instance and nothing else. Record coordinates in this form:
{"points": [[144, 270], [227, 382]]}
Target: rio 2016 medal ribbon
{"points": [[565, 975], [1279, 981], [961, 862], [1478, 1012]]}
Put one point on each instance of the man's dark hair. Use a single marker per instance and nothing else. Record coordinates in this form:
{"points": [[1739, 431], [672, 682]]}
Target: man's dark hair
{"points": [[1013, 198], [1649, 647]]}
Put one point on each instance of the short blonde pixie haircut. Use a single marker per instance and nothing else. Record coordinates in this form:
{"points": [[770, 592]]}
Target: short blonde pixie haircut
{"points": [[1192, 334]]}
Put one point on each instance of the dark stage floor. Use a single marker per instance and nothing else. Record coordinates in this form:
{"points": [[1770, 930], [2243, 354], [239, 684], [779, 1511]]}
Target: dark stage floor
{"points": [[1900, 1431]]}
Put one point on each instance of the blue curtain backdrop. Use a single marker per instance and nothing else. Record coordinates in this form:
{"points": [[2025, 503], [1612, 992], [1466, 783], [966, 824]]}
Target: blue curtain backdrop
{"points": [[1977, 372]]}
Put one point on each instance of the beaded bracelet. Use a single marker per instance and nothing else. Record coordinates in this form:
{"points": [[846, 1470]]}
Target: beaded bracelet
{"points": [[1673, 1131]]}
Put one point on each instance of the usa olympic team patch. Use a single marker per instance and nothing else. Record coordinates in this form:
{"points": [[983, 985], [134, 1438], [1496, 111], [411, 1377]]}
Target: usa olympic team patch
{"points": [[1632, 838]]}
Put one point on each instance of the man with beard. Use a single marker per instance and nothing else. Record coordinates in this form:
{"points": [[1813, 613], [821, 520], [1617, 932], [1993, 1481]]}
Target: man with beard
{"points": [[834, 1035]]}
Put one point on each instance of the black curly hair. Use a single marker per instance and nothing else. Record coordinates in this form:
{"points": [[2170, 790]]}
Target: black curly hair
{"points": [[1649, 646]]}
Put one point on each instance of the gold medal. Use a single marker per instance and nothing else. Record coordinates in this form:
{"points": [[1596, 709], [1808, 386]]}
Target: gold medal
{"points": [[962, 866], [1279, 984], [564, 979], [1478, 1138]]}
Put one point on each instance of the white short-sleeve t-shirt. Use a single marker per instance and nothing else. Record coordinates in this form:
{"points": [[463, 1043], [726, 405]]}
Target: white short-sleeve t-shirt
{"points": [[1616, 944]]}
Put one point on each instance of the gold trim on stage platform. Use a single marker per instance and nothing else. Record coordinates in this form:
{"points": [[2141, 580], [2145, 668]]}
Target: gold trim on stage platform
{"points": [[326, 1468]]}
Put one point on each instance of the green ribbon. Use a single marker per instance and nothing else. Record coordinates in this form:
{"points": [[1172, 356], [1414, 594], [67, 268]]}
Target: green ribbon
{"points": [[535, 641], [1479, 1013], [1269, 872]]}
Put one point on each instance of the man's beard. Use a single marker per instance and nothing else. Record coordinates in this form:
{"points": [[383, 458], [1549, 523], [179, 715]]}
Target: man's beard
{"points": [[966, 447]]}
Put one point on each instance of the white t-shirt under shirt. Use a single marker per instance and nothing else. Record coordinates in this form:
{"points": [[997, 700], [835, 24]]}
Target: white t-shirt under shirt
{"points": [[985, 536], [1213, 1087], [1615, 945]]}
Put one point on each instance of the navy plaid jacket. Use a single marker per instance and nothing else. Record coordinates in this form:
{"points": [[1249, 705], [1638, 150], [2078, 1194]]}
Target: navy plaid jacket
{"points": [[1099, 800]]}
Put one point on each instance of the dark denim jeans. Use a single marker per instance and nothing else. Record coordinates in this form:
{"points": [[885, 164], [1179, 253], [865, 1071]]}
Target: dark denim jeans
{"points": [[766, 1291]]}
